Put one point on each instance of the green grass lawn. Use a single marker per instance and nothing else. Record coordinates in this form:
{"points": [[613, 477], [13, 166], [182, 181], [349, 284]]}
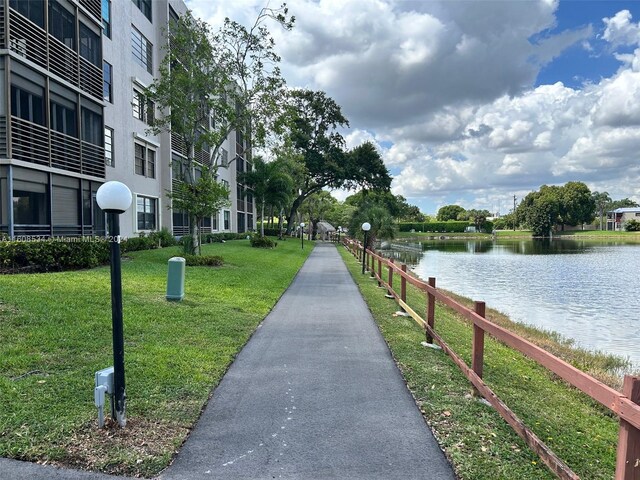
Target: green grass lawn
{"points": [[475, 438], [56, 332]]}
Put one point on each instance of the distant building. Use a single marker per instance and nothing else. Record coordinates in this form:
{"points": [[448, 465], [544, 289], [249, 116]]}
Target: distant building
{"points": [[616, 219], [72, 116]]}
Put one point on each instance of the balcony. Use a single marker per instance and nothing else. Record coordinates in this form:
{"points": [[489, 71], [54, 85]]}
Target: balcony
{"points": [[30, 143], [32, 42], [2, 26]]}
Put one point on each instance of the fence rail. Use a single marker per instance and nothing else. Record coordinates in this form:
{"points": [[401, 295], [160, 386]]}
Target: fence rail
{"points": [[625, 404]]}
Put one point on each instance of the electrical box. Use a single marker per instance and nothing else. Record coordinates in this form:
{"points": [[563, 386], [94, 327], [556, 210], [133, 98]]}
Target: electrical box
{"points": [[175, 279]]}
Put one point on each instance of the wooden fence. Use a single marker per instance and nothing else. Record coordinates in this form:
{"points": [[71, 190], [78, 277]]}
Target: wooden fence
{"points": [[625, 405]]}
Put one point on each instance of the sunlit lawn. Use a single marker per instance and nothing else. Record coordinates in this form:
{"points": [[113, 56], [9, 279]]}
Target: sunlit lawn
{"points": [[56, 332]]}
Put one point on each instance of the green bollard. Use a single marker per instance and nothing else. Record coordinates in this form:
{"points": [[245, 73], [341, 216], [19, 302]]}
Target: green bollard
{"points": [[175, 279]]}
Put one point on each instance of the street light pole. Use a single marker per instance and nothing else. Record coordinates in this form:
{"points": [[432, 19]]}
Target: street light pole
{"points": [[302, 235], [114, 198], [366, 226]]}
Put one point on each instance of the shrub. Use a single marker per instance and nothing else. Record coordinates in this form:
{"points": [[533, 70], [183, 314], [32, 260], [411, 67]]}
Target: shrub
{"points": [[164, 238], [203, 260], [632, 226], [262, 242], [436, 227], [135, 244], [53, 255]]}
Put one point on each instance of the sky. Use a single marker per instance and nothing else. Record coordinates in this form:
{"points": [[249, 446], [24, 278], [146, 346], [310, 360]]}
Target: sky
{"points": [[473, 102]]}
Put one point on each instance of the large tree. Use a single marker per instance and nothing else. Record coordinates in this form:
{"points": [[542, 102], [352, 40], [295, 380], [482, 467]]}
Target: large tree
{"points": [[211, 85], [601, 201], [449, 212], [309, 127]]}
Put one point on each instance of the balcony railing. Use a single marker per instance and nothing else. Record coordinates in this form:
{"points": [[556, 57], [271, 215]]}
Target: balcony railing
{"points": [[32, 230], [93, 7], [177, 145], [3, 137], [3, 21], [92, 160], [27, 39], [29, 141], [63, 61], [65, 152], [91, 78]]}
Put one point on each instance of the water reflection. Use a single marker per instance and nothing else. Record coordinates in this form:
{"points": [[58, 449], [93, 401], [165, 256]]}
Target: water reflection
{"points": [[584, 290]]}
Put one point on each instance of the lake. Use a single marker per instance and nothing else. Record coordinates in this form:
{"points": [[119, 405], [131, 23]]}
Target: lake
{"points": [[585, 290]]}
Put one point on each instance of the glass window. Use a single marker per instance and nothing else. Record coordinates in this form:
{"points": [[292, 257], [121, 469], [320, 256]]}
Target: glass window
{"points": [[32, 9], [142, 50], [144, 6], [139, 158], [62, 24], [146, 209], [240, 223], [30, 203], [143, 109], [90, 45], [27, 105], [109, 158], [106, 18], [63, 118], [145, 161], [107, 77], [214, 221], [227, 220], [92, 129], [151, 163]]}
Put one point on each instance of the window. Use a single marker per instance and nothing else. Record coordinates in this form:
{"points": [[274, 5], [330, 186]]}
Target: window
{"points": [[227, 220], [107, 79], [144, 6], [90, 45], [142, 50], [249, 222], [63, 118], [214, 221], [32, 9], [106, 18], [27, 105], [62, 24], [146, 209], [145, 161], [92, 129], [30, 203], [143, 108], [240, 224], [109, 159]]}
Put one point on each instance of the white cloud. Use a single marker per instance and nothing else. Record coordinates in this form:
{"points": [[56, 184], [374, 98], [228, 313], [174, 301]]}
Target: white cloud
{"points": [[447, 89]]}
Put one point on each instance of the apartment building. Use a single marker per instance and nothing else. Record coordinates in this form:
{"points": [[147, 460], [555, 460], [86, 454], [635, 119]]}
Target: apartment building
{"points": [[73, 115]]}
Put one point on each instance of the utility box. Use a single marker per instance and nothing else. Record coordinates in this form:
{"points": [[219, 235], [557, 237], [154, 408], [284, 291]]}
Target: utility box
{"points": [[175, 279]]}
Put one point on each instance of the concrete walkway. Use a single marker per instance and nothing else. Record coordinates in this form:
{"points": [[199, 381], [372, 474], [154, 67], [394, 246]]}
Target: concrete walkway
{"points": [[314, 394]]}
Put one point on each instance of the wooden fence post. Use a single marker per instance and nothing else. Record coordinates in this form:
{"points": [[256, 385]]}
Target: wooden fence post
{"points": [[403, 284], [390, 277], [477, 352], [431, 309], [628, 458], [379, 271]]}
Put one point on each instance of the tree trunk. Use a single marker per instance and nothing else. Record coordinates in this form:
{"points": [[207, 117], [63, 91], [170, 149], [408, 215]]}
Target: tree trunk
{"points": [[294, 209], [262, 222]]}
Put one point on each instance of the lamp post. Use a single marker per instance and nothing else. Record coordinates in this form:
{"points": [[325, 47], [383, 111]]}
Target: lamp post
{"points": [[339, 232], [302, 234], [366, 226], [114, 198]]}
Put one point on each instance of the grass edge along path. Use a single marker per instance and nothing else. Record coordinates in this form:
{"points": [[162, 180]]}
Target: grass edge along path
{"points": [[478, 442], [55, 332]]}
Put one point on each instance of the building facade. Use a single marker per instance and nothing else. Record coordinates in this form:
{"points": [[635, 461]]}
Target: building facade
{"points": [[616, 219], [73, 115]]}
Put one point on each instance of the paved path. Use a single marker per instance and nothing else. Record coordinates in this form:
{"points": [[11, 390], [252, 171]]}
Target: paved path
{"points": [[314, 394]]}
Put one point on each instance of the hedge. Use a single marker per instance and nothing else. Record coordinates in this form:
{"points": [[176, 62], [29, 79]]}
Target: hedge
{"points": [[440, 227]]}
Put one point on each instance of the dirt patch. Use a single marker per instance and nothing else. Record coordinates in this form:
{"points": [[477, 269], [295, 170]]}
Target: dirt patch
{"points": [[141, 449]]}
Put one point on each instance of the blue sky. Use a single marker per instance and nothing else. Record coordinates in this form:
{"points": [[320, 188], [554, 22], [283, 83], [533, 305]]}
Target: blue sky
{"points": [[472, 102]]}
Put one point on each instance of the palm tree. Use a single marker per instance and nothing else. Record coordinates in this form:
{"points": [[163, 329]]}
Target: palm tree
{"points": [[270, 183]]}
